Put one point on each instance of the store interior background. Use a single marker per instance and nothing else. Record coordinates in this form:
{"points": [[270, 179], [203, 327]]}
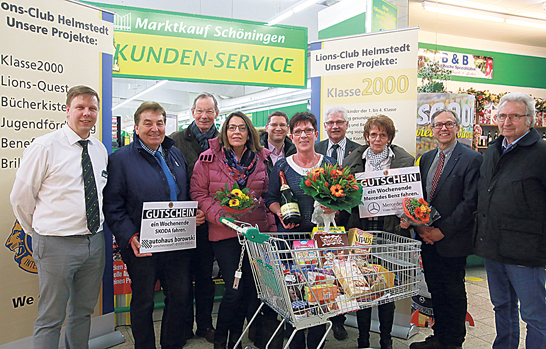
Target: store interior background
{"points": [[256, 101]]}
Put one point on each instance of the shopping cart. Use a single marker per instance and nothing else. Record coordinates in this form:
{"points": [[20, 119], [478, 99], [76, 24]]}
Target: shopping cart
{"points": [[308, 286]]}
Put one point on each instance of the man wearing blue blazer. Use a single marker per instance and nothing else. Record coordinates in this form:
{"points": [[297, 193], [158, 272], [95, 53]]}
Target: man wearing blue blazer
{"points": [[337, 145], [449, 175]]}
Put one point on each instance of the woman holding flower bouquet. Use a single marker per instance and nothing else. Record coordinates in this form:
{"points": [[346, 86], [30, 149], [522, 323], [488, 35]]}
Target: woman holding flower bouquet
{"points": [[378, 154], [230, 179], [303, 132]]}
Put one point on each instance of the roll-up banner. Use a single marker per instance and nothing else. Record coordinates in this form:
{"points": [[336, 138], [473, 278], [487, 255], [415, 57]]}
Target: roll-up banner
{"points": [[368, 74], [49, 46]]}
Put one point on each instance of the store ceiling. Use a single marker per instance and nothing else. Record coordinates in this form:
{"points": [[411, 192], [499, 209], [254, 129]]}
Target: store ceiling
{"points": [[481, 29], [177, 96]]}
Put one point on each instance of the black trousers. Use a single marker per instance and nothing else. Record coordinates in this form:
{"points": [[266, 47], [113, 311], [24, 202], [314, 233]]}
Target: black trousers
{"points": [[445, 282], [202, 259], [364, 319], [236, 304], [171, 269]]}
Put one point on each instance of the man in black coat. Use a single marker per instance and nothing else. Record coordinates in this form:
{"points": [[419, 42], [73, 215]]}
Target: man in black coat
{"points": [[449, 176], [511, 234], [337, 145], [192, 141]]}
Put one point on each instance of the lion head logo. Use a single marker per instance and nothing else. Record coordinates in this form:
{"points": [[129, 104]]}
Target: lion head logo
{"points": [[21, 244]]}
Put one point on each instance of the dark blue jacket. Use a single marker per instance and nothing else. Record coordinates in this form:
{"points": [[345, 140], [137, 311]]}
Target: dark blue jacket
{"points": [[134, 177], [456, 198]]}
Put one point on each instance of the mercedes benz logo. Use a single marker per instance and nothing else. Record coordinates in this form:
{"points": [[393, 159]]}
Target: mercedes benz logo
{"points": [[374, 208]]}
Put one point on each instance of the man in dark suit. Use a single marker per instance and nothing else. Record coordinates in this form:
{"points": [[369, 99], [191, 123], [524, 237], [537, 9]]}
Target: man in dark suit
{"points": [[337, 145], [450, 176]]}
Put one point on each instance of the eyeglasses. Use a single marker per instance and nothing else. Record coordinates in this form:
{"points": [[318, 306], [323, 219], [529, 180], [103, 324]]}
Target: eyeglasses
{"points": [[337, 122], [512, 117], [308, 132], [278, 125], [241, 128], [439, 125], [209, 112], [380, 135]]}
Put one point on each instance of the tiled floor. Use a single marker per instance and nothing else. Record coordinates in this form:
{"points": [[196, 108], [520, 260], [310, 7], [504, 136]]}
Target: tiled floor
{"points": [[479, 336]]}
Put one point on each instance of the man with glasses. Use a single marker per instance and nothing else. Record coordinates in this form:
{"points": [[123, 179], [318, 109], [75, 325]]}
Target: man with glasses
{"points": [[449, 175], [275, 138], [511, 233], [192, 141], [337, 145]]}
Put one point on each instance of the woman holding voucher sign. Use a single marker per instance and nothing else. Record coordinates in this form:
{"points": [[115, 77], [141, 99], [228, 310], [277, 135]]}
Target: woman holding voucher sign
{"points": [[234, 162], [378, 154], [303, 129], [149, 169]]}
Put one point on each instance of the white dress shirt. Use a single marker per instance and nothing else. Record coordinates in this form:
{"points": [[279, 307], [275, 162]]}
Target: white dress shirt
{"points": [[48, 194], [340, 151]]}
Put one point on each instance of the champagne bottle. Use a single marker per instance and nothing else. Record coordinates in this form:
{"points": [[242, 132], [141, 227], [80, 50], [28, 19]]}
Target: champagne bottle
{"points": [[290, 210], [489, 138], [544, 135], [496, 135]]}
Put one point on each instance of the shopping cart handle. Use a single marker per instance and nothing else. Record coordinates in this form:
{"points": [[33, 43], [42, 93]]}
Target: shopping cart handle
{"points": [[254, 235], [250, 233]]}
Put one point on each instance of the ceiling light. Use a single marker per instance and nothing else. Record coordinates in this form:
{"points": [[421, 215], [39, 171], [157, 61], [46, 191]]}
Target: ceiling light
{"points": [[300, 6], [527, 23], [303, 5], [497, 14], [151, 88], [459, 12]]}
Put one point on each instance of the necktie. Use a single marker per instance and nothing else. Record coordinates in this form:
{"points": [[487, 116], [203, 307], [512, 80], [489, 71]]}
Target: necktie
{"points": [[334, 151], [437, 175], [168, 175], [90, 187]]}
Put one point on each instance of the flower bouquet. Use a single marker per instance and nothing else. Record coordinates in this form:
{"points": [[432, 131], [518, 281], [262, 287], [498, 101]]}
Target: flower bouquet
{"points": [[236, 201], [333, 187], [418, 212]]}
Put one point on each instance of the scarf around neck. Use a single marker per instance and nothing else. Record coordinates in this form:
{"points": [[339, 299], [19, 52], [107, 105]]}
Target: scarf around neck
{"points": [[375, 160], [203, 138], [242, 168]]}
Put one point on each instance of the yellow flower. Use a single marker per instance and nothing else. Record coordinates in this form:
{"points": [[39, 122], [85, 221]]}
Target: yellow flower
{"points": [[233, 202], [237, 192]]}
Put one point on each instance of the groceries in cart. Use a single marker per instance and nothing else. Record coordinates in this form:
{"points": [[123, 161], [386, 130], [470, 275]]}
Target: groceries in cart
{"points": [[308, 278]]}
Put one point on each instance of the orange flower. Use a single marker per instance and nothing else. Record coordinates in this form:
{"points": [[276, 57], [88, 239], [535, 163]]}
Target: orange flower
{"points": [[337, 191], [425, 218], [308, 183], [422, 201], [418, 212], [317, 171], [425, 209]]}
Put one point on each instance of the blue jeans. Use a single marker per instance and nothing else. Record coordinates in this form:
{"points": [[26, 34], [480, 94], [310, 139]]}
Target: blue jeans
{"points": [[509, 283], [69, 268], [172, 270]]}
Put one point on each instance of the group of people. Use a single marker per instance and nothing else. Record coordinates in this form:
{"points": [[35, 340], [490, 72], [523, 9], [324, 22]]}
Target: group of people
{"points": [[67, 186]]}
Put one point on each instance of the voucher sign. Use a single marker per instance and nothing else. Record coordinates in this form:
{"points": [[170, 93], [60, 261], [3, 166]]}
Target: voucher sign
{"points": [[383, 191], [168, 226]]}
